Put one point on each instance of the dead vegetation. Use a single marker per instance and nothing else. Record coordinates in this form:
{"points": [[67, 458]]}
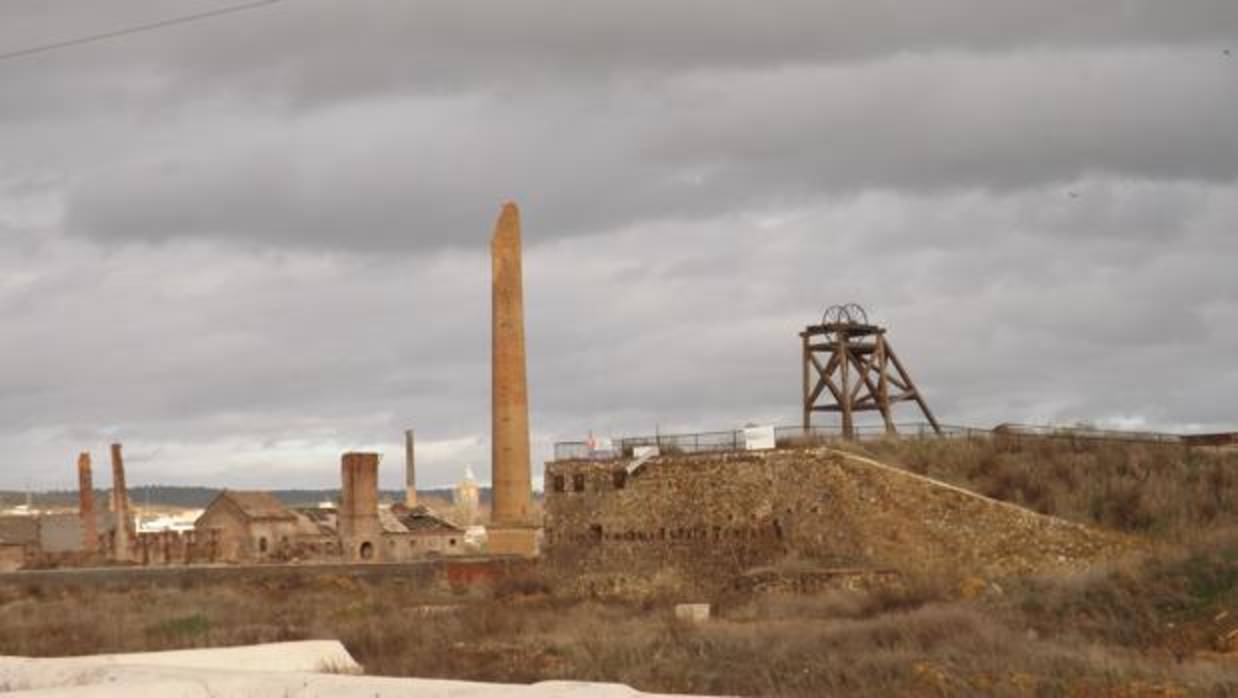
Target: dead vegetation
{"points": [[1158, 490], [1146, 623], [1159, 625]]}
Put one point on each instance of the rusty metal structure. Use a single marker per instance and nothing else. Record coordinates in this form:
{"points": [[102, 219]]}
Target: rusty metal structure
{"points": [[849, 367]]}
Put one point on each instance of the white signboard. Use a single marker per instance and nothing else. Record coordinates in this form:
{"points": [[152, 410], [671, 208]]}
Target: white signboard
{"points": [[759, 438], [644, 452], [600, 444]]}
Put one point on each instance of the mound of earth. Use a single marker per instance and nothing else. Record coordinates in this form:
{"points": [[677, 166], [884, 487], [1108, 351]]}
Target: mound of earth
{"points": [[708, 518], [892, 516]]}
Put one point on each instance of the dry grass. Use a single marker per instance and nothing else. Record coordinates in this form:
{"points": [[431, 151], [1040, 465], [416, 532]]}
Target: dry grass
{"points": [[1135, 625], [1148, 489], [1141, 627]]}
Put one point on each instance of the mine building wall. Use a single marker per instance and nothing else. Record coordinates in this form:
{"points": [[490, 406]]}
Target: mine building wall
{"points": [[247, 540], [713, 517], [61, 533], [697, 516], [405, 547], [178, 547]]}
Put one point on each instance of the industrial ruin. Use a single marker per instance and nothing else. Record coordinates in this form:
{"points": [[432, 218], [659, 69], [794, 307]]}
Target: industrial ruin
{"points": [[512, 529], [849, 343], [237, 527], [709, 519], [727, 509], [255, 527], [713, 509]]}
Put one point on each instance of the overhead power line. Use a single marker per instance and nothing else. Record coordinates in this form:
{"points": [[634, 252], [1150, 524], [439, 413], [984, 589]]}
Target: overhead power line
{"points": [[137, 29]]}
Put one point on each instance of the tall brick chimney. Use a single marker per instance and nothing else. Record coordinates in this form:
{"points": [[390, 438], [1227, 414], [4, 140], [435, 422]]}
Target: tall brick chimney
{"points": [[359, 529], [86, 504], [511, 474], [410, 471], [120, 505], [511, 530]]}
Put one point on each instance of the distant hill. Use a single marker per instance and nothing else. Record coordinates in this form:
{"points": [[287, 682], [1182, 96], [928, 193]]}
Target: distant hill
{"points": [[199, 497]]}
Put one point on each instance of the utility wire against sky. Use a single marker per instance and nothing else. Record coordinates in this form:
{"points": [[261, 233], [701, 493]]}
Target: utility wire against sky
{"points": [[137, 29]]}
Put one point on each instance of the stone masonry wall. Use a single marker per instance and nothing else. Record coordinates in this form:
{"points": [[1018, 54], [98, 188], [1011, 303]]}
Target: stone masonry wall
{"points": [[711, 517]]}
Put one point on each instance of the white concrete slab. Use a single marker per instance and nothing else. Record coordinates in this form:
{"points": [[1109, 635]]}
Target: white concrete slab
{"points": [[253, 672], [307, 656]]}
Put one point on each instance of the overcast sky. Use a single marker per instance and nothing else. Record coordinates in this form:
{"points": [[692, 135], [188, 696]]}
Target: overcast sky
{"points": [[244, 245]]}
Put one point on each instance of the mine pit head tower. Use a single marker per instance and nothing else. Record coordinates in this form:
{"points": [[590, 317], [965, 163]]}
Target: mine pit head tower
{"points": [[850, 367]]}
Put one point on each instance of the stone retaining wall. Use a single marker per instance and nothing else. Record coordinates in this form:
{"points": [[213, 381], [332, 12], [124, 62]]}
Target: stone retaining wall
{"points": [[704, 519]]}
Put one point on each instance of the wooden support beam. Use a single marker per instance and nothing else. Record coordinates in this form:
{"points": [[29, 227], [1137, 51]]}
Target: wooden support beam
{"points": [[826, 374], [859, 407], [844, 370], [808, 400], [883, 384], [914, 393], [864, 348], [862, 374]]}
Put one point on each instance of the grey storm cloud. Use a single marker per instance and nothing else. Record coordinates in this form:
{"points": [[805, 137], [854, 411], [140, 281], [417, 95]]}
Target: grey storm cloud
{"points": [[246, 244], [412, 173], [307, 49], [270, 125]]}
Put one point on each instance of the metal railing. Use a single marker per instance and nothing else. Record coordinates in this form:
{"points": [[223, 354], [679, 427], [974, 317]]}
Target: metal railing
{"points": [[736, 440], [801, 437], [1086, 433]]}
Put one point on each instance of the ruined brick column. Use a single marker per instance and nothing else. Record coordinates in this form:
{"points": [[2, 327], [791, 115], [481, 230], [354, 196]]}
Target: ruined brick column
{"points": [[359, 528], [511, 475], [120, 505], [410, 471], [86, 504]]}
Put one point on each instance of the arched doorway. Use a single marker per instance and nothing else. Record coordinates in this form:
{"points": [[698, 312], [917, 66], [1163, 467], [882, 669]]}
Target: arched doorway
{"points": [[367, 550]]}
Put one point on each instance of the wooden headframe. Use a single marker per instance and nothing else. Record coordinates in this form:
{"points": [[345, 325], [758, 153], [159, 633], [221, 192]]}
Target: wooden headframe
{"points": [[850, 367]]}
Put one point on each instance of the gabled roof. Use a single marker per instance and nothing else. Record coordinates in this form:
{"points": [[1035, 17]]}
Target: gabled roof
{"points": [[389, 522], [421, 520], [255, 505], [319, 515], [317, 520]]}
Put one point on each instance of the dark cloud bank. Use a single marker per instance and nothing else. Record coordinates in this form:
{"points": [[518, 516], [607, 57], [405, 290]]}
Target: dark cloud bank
{"points": [[245, 245]]}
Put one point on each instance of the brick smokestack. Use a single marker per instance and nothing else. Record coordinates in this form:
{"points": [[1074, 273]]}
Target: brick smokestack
{"points": [[410, 471], [511, 474], [120, 504], [86, 504], [359, 529]]}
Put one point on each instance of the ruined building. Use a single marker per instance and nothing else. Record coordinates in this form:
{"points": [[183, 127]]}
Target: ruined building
{"points": [[236, 527], [418, 532], [92, 534], [255, 527], [623, 519], [712, 518]]}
